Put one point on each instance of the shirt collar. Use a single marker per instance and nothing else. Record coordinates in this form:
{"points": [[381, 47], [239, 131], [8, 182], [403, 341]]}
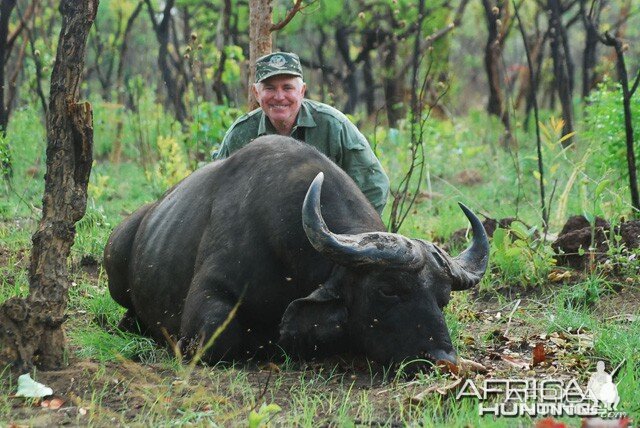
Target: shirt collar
{"points": [[304, 119]]}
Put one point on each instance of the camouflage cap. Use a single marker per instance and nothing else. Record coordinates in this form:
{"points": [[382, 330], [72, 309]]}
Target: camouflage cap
{"points": [[277, 63]]}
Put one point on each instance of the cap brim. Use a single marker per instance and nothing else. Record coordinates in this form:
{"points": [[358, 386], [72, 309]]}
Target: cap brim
{"points": [[279, 72]]}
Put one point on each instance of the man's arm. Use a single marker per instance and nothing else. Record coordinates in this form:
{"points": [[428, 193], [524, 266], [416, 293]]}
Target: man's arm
{"points": [[223, 151], [239, 134], [359, 161]]}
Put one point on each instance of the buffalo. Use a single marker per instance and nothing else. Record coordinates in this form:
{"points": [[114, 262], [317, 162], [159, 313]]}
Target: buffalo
{"points": [[281, 229]]}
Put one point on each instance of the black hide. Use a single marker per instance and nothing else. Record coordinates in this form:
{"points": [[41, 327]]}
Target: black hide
{"points": [[233, 230]]}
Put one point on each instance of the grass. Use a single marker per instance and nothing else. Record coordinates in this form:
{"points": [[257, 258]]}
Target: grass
{"points": [[124, 379]]}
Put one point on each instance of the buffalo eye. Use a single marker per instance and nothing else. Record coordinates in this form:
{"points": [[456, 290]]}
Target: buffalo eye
{"points": [[390, 292]]}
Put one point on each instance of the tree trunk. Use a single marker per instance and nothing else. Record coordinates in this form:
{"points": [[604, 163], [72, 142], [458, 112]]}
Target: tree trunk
{"points": [[116, 152], [627, 94], [171, 78], [589, 56], [492, 59], [369, 84], [6, 7], [351, 80], [260, 23], [562, 68], [393, 94], [222, 41], [31, 329]]}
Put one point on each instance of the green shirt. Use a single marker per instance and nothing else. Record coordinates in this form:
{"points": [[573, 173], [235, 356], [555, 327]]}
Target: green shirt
{"points": [[329, 131]]}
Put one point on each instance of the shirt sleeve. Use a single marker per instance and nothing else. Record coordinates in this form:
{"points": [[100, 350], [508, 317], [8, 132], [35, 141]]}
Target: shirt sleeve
{"points": [[359, 161], [223, 151]]}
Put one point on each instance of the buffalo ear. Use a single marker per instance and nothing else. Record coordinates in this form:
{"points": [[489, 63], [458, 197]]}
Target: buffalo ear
{"points": [[314, 325]]}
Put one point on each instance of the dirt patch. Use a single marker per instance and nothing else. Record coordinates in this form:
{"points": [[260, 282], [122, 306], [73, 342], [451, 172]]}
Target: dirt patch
{"points": [[581, 246]]}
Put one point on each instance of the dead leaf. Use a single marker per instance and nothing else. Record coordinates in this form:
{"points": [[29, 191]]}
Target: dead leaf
{"points": [[557, 276], [440, 389], [56, 403], [270, 367], [447, 367], [539, 354], [515, 363], [468, 366]]}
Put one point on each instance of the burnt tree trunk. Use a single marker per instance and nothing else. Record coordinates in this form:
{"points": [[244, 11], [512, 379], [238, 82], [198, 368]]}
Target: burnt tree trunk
{"points": [[627, 94], [562, 67], [6, 7], [589, 57], [496, 14], [116, 152], [223, 40], [31, 329], [393, 94], [369, 83], [171, 77], [351, 80]]}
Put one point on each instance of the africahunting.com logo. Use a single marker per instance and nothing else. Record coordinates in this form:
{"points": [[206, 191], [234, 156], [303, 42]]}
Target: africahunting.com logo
{"points": [[547, 397]]}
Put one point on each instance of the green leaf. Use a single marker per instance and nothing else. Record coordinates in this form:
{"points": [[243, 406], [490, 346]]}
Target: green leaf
{"points": [[600, 188], [499, 238], [265, 411]]}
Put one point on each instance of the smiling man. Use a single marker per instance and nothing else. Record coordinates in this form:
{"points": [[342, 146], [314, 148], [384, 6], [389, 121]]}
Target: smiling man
{"points": [[279, 89]]}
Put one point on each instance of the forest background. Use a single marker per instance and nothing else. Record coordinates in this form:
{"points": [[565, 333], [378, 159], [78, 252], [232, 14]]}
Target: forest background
{"points": [[519, 109]]}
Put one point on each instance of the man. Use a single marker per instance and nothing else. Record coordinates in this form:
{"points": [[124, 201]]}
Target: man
{"points": [[279, 89]]}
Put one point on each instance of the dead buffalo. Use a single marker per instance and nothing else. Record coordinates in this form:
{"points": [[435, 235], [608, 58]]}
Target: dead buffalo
{"points": [[315, 271]]}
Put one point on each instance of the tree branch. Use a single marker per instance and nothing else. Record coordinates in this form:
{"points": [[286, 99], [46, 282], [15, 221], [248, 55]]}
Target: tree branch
{"points": [[297, 7], [635, 84], [21, 25]]}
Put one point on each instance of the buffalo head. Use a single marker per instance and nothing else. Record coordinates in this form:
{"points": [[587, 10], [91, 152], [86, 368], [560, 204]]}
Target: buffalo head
{"points": [[385, 297]]}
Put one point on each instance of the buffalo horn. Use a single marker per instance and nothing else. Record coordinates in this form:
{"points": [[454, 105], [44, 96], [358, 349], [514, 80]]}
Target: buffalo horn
{"points": [[378, 248], [469, 266]]}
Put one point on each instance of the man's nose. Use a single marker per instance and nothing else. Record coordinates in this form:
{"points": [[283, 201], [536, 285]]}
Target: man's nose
{"points": [[279, 94]]}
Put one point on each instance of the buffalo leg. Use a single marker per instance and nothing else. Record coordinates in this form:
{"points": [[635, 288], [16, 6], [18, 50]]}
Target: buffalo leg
{"points": [[130, 323], [117, 256], [201, 320]]}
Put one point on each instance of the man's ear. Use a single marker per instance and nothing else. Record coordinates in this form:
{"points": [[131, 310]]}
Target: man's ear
{"points": [[304, 88], [254, 91], [314, 325]]}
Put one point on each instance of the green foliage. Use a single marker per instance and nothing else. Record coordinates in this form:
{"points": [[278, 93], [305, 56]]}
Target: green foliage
{"points": [[101, 339], [519, 257], [5, 158], [262, 416], [94, 342], [210, 123], [585, 294], [605, 129], [91, 232], [171, 166]]}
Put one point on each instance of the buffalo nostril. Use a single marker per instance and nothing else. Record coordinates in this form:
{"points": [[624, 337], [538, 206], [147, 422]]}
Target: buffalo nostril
{"points": [[441, 355]]}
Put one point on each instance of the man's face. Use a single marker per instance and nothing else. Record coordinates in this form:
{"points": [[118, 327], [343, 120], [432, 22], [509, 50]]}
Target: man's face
{"points": [[280, 97]]}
